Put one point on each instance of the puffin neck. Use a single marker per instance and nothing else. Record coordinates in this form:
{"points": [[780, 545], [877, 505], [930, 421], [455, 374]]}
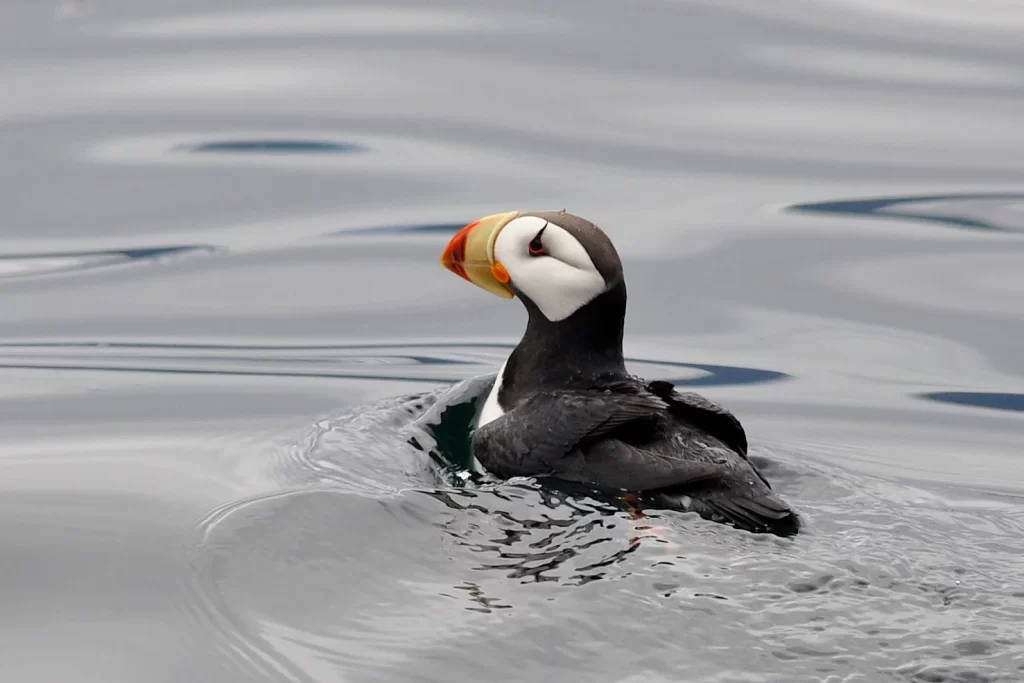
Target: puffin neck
{"points": [[585, 346]]}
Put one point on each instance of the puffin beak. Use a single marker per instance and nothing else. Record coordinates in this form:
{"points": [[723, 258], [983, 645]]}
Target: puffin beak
{"points": [[470, 254]]}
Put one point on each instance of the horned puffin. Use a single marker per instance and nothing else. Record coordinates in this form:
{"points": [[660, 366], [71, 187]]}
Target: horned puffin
{"points": [[563, 405]]}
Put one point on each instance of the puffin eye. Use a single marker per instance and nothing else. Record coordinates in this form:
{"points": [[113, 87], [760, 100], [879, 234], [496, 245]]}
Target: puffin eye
{"points": [[536, 246]]}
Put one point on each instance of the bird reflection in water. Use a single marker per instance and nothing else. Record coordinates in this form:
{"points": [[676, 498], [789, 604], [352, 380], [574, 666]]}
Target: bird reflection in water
{"points": [[537, 534]]}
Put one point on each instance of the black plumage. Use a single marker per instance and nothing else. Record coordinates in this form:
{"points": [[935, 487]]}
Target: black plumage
{"points": [[573, 413]]}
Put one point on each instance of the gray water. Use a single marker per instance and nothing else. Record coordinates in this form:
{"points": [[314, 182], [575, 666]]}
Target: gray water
{"points": [[224, 332]]}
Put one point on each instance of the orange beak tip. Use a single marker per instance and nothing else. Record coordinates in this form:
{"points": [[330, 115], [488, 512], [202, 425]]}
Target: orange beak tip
{"points": [[454, 254], [469, 254]]}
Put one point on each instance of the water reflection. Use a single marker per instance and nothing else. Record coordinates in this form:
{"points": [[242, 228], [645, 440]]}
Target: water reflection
{"points": [[877, 371], [437, 363], [319, 21], [418, 229], [34, 265], [998, 212], [360, 576], [542, 535], [274, 147]]}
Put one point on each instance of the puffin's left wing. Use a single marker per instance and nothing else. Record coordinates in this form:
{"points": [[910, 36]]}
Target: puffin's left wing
{"points": [[707, 415]]}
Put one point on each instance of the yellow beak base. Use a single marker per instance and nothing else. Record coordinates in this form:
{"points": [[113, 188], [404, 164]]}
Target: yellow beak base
{"points": [[470, 254]]}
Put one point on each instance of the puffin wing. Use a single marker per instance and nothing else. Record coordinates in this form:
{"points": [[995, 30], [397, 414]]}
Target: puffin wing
{"points": [[566, 433], [706, 415], [615, 464]]}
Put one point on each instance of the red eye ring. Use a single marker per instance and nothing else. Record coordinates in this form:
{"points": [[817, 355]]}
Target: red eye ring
{"points": [[536, 247]]}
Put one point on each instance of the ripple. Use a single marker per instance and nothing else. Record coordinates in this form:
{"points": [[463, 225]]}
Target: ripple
{"points": [[268, 147], [983, 14], [977, 281], [889, 577], [285, 581], [886, 66], [536, 535], [993, 212], [274, 147], [52, 263], [366, 545], [418, 229], [320, 149], [437, 363], [320, 21]]}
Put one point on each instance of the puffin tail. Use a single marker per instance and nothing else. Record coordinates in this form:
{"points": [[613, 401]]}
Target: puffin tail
{"points": [[758, 513]]}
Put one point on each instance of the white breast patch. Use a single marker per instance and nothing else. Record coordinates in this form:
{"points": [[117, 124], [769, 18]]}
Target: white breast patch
{"points": [[492, 409]]}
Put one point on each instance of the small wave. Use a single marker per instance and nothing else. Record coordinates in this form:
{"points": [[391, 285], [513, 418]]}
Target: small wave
{"points": [[272, 147], [54, 263], [373, 539], [432, 362], [989, 212], [417, 229]]}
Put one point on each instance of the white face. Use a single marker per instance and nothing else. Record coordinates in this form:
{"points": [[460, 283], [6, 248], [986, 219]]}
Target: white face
{"points": [[560, 277]]}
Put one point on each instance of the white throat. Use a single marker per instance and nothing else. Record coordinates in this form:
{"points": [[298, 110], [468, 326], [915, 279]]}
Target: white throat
{"points": [[492, 410]]}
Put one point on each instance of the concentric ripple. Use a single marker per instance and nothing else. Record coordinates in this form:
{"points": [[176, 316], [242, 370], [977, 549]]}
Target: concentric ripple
{"points": [[375, 566]]}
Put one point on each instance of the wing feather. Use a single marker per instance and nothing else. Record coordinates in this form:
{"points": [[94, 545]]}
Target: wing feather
{"points": [[704, 414], [568, 434], [619, 465]]}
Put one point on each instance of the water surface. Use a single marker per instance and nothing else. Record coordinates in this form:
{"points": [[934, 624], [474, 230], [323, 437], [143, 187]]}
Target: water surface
{"points": [[226, 344]]}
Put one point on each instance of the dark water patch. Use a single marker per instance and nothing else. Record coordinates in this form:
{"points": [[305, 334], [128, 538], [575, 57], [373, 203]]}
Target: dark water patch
{"points": [[966, 211], [725, 375], [272, 147], [979, 399], [451, 434], [51, 263]]}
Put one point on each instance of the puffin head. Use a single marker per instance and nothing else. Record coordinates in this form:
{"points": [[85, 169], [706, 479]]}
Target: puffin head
{"points": [[557, 261]]}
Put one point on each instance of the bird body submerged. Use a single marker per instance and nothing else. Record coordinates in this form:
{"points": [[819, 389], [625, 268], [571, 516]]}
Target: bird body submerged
{"points": [[563, 405]]}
